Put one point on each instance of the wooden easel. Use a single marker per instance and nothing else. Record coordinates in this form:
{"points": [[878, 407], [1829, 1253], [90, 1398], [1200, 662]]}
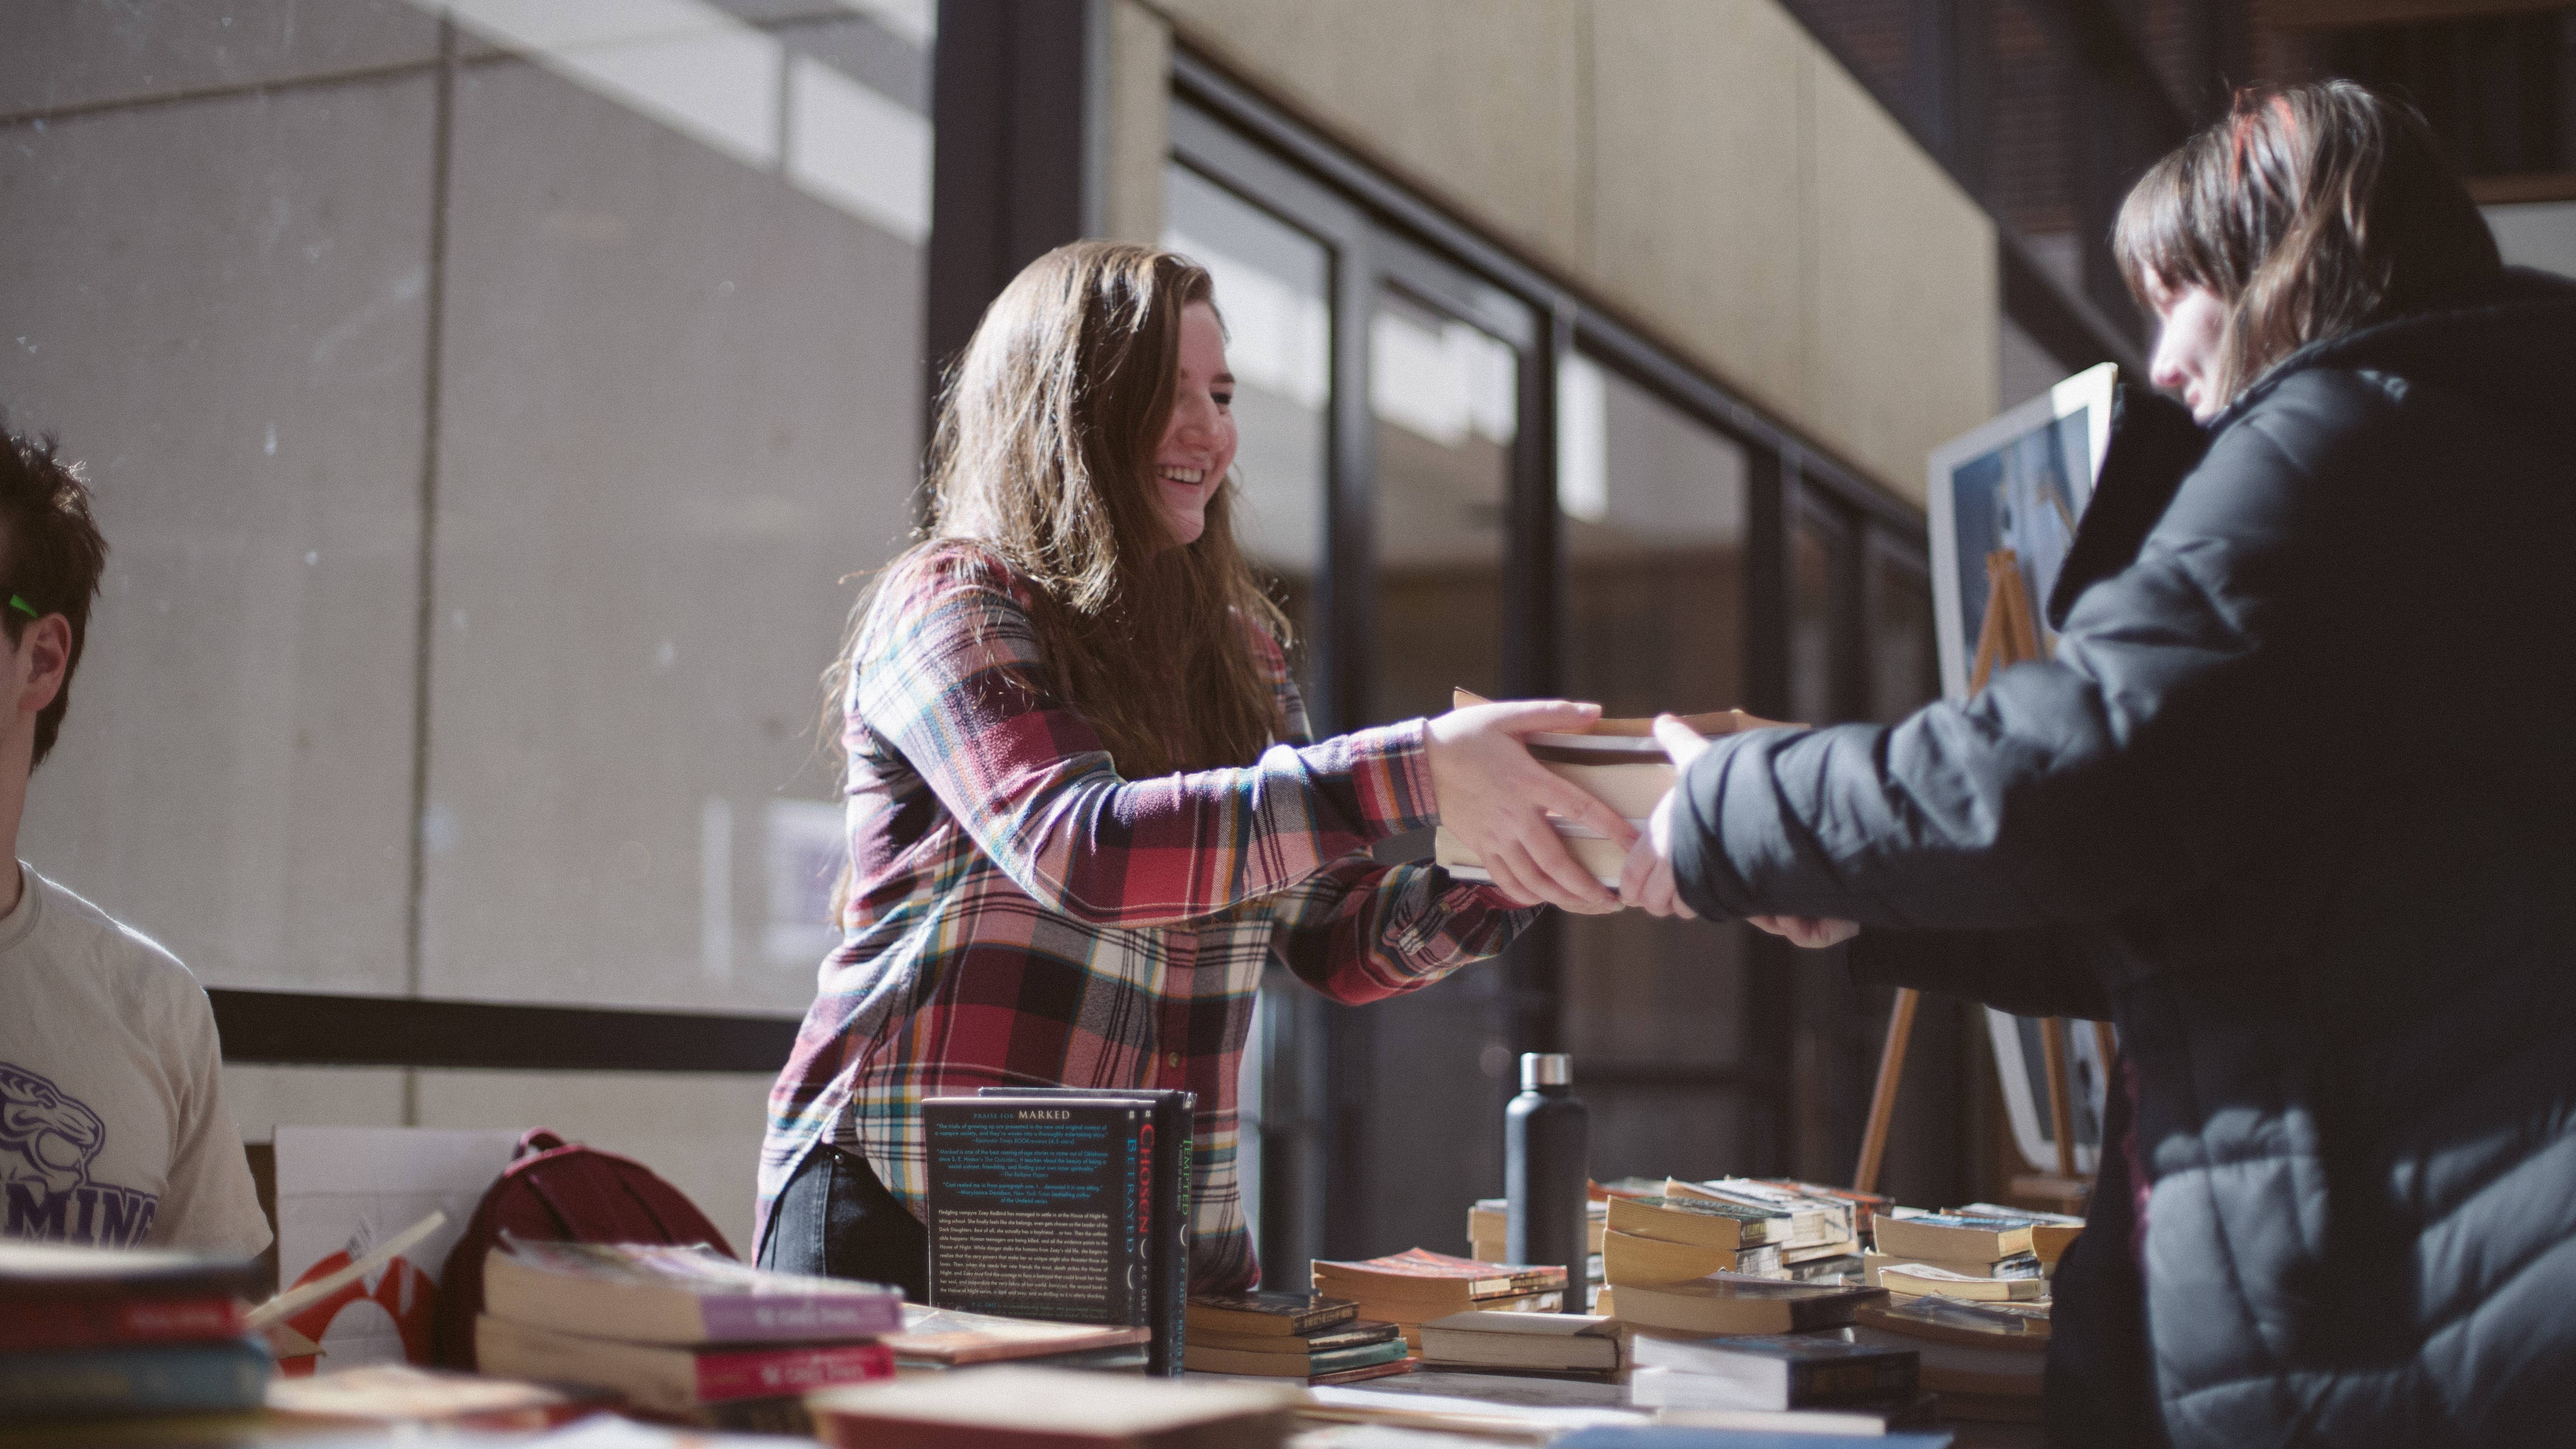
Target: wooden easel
{"points": [[2009, 635]]}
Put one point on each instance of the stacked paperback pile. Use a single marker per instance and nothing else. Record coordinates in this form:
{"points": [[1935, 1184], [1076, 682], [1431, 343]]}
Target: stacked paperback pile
{"points": [[1553, 1345], [1739, 1303], [1409, 1288], [1984, 1253], [1825, 1226], [1819, 1383], [96, 1331], [1292, 1335], [1489, 1228], [685, 1332], [1655, 1240]]}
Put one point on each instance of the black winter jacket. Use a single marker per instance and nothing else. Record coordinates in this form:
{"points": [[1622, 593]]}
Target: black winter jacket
{"points": [[2295, 805]]}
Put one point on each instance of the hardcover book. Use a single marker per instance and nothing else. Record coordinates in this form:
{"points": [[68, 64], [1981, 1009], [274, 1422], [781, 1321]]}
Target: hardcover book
{"points": [[1169, 1158], [649, 1293], [1042, 1207]]}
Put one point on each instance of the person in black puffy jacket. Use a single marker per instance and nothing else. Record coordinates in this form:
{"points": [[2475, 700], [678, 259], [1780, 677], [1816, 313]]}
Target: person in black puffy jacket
{"points": [[2294, 805]]}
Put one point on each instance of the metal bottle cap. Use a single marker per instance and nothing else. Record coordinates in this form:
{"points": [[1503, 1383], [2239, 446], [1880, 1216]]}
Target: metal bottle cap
{"points": [[1546, 1069]]}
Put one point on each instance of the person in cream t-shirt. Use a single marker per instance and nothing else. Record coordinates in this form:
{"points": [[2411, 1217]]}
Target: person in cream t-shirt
{"points": [[113, 1130]]}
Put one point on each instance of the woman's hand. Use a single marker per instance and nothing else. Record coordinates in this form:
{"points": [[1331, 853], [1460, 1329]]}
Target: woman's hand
{"points": [[1496, 800], [1647, 880]]}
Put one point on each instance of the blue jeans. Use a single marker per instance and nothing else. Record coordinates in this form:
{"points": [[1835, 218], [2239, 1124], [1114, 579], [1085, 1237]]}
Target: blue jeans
{"points": [[835, 1220]]}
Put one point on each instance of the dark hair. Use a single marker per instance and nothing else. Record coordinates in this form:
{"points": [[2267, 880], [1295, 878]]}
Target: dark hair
{"points": [[2309, 211], [1044, 454], [51, 555]]}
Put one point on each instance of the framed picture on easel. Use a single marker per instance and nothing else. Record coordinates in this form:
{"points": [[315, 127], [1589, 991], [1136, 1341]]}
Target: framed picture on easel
{"points": [[2015, 485], [2003, 502]]}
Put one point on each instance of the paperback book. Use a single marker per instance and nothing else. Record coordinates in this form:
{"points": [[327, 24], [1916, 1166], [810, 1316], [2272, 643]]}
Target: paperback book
{"points": [[648, 1293]]}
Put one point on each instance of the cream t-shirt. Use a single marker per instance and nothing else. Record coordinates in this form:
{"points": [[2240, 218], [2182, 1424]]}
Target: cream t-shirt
{"points": [[113, 1129]]}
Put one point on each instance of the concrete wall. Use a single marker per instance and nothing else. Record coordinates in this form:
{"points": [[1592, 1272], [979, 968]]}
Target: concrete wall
{"points": [[1702, 165]]}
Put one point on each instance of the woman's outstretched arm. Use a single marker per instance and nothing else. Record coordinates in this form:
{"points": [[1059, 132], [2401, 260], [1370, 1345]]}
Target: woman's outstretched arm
{"points": [[955, 683]]}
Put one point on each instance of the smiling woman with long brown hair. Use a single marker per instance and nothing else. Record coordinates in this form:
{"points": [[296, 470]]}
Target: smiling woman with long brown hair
{"points": [[2294, 804], [1083, 809]]}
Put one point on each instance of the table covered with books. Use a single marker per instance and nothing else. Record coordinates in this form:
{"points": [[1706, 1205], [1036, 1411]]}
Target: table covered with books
{"points": [[1724, 1312]]}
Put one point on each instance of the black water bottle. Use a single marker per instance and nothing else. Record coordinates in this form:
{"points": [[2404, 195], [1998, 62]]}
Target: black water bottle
{"points": [[1547, 1170]]}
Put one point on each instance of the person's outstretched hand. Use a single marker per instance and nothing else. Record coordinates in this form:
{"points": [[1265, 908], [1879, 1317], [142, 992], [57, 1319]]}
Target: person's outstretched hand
{"points": [[1647, 880], [1496, 800]]}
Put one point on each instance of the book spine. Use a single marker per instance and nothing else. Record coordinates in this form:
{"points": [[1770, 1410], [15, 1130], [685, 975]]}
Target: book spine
{"points": [[1169, 1275], [739, 1318], [158, 1379], [38, 1324], [774, 1372]]}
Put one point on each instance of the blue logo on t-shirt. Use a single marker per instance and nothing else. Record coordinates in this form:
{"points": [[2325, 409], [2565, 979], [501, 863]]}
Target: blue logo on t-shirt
{"points": [[47, 1142]]}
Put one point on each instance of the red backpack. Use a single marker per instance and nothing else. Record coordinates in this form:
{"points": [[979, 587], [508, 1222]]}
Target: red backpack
{"points": [[559, 1191]]}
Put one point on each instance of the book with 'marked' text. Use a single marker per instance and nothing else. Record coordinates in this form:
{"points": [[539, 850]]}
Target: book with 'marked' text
{"points": [[1044, 1206]]}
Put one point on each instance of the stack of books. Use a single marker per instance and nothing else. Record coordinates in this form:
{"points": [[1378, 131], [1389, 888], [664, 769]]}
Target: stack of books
{"points": [[1670, 1239], [1292, 1336], [1822, 1226], [1984, 1360], [1033, 1408], [1489, 1231], [1740, 1303], [1551, 1345], [1957, 1255], [683, 1332], [1810, 1383], [1411, 1287], [86, 1332]]}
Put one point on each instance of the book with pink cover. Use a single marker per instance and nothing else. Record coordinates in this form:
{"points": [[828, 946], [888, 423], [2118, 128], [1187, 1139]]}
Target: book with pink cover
{"points": [[652, 1293]]}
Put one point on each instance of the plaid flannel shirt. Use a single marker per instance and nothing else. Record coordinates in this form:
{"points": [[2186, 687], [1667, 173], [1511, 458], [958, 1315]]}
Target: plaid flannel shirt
{"points": [[1021, 916]]}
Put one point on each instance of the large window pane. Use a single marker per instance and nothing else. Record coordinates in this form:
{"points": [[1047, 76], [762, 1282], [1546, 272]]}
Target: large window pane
{"points": [[1272, 286], [1447, 407], [577, 341], [1653, 508], [680, 407]]}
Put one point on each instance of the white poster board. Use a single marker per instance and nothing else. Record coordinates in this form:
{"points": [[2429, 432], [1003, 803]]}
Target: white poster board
{"points": [[2021, 482], [343, 1190]]}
